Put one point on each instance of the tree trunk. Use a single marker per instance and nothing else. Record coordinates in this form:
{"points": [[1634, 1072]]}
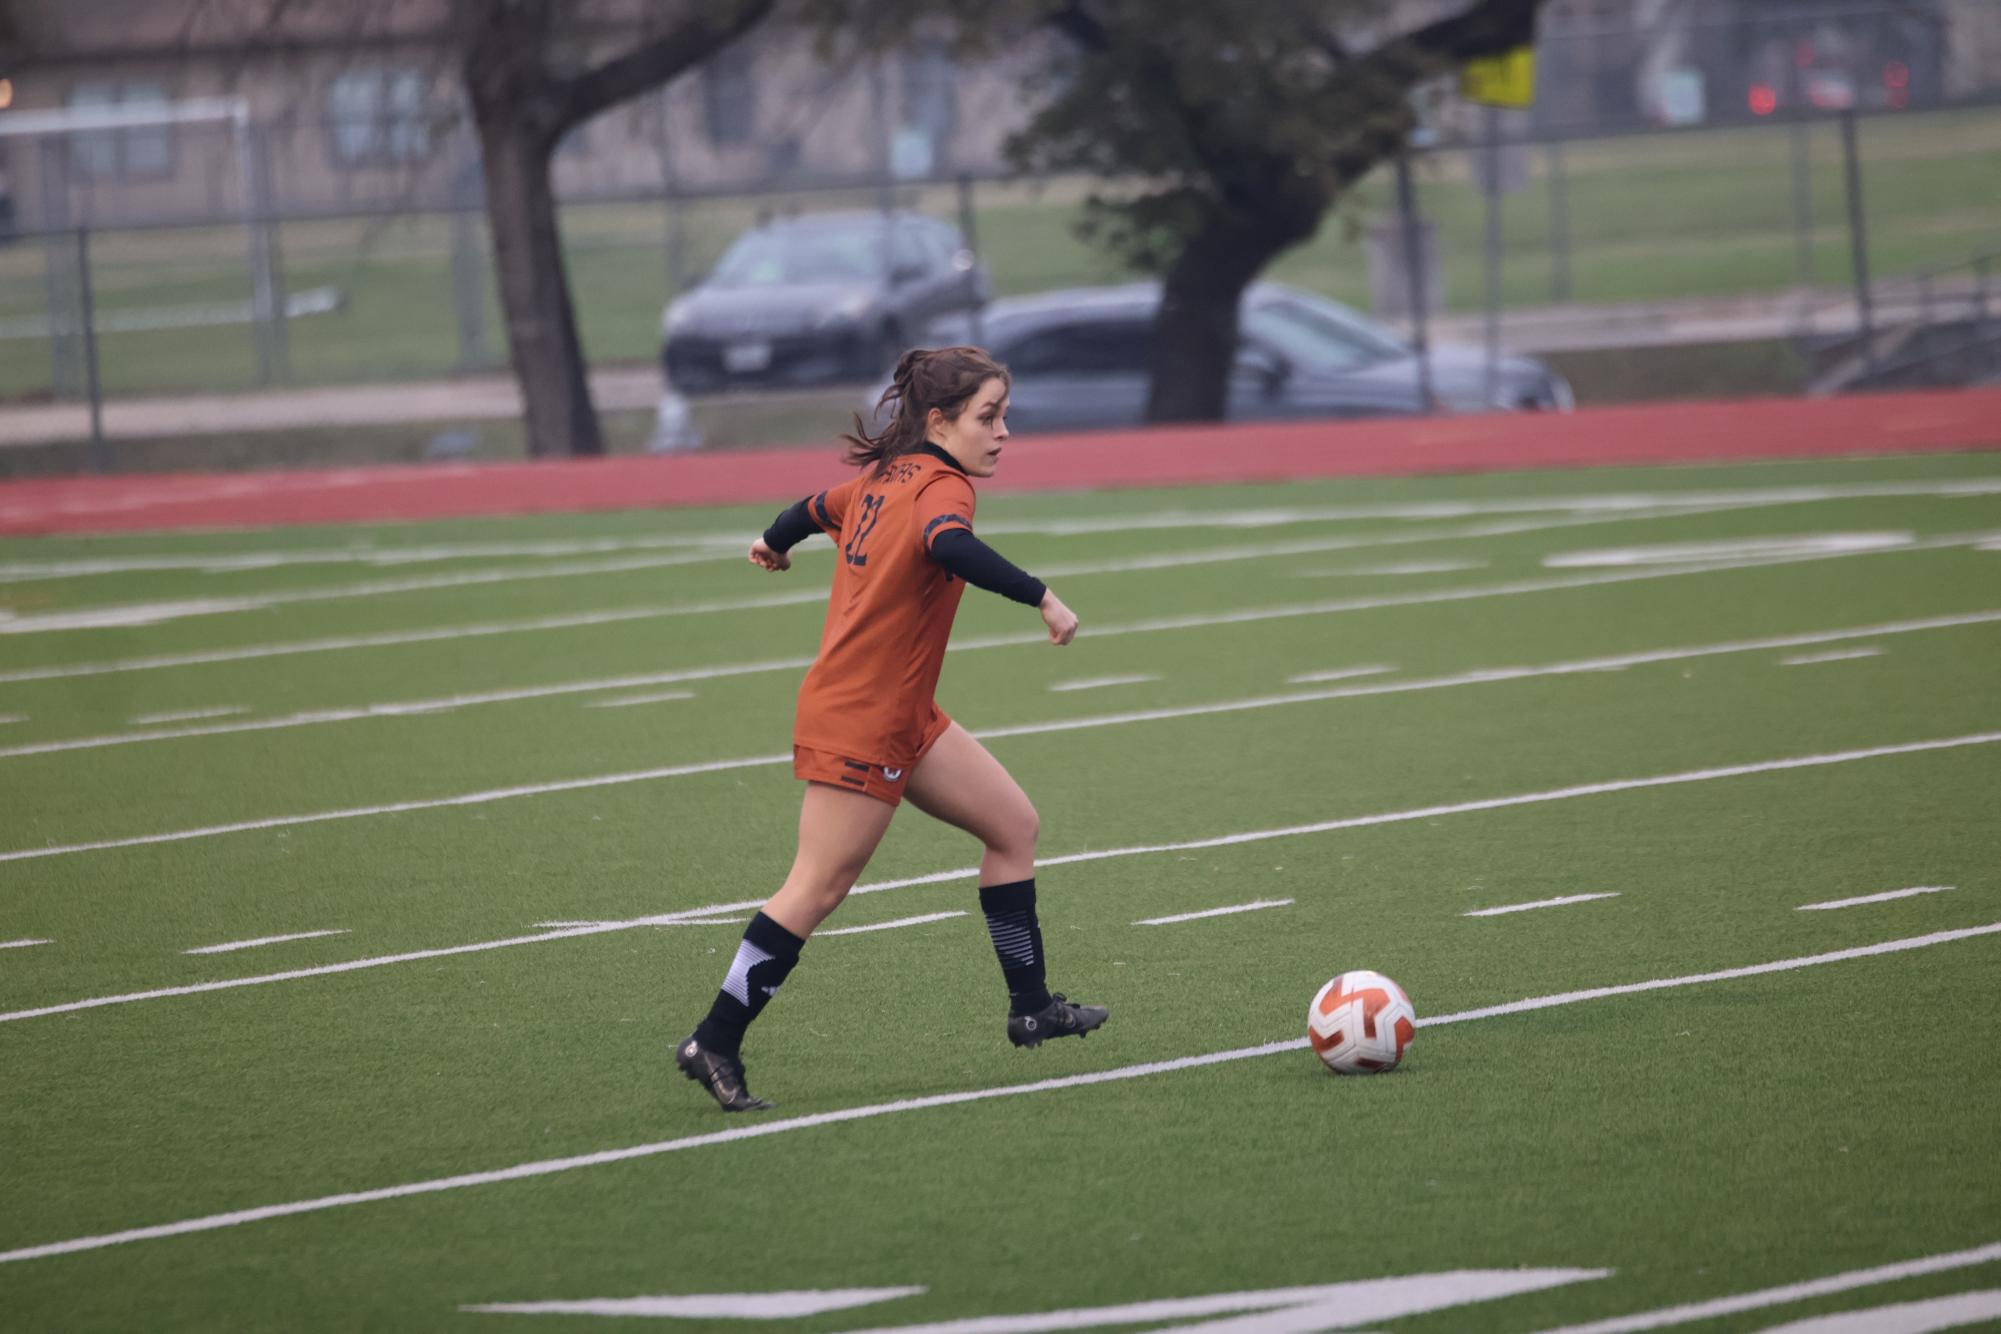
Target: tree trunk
{"points": [[1195, 333], [542, 336]]}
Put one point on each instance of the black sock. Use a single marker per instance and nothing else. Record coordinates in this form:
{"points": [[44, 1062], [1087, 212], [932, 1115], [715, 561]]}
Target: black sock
{"points": [[1017, 937], [763, 960]]}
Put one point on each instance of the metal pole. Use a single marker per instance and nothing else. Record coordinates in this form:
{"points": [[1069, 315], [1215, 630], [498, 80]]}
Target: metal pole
{"points": [[1491, 381], [1803, 201], [267, 288], [99, 457], [1858, 238], [1413, 263], [1559, 224]]}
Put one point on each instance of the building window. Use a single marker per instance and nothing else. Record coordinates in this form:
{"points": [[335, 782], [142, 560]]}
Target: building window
{"points": [[376, 116], [729, 97], [133, 152]]}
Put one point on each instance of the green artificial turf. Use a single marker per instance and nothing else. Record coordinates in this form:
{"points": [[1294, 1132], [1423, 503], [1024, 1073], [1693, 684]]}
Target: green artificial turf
{"points": [[1701, 1141]]}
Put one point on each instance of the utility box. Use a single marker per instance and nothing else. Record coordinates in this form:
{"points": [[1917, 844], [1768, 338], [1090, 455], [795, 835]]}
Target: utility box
{"points": [[1389, 268]]}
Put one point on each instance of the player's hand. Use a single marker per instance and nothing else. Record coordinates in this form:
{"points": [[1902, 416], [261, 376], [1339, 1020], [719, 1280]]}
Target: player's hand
{"points": [[1062, 622], [765, 558]]}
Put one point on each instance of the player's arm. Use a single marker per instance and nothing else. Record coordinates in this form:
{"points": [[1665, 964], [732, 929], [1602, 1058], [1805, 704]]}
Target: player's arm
{"points": [[954, 547], [813, 514]]}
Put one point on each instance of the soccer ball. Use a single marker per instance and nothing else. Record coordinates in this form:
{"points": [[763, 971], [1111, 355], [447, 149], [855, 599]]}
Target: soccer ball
{"points": [[1360, 1023]]}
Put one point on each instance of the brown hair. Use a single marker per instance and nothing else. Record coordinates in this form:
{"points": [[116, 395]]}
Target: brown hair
{"points": [[944, 378]]}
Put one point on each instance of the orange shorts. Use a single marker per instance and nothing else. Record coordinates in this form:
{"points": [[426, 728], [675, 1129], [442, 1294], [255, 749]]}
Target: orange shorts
{"points": [[871, 780]]}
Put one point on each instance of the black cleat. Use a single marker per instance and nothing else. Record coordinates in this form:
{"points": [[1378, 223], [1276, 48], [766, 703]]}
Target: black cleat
{"points": [[721, 1075], [1059, 1019]]}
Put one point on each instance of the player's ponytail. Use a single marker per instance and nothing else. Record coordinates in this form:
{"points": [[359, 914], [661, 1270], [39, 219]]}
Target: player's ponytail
{"points": [[945, 378]]}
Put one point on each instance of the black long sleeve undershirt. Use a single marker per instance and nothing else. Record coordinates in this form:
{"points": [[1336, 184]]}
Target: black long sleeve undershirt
{"points": [[791, 528], [956, 549], [981, 566]]}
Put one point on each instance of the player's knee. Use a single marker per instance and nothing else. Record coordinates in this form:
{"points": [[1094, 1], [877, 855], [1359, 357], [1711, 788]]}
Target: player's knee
{"points": [[1024, 829]]}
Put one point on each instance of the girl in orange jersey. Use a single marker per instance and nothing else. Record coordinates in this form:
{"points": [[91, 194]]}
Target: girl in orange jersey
{"points": [[868, 732]]}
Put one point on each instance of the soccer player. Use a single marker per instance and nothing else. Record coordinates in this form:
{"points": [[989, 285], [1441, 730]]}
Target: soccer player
{"points": [[868, 732]]}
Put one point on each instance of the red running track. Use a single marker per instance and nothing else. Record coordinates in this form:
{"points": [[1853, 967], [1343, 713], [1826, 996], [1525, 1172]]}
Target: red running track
{"points": [[1963, 419]]}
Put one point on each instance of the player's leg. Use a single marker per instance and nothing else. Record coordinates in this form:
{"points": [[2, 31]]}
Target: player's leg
{"points": [[960, 782], [838, 833]]}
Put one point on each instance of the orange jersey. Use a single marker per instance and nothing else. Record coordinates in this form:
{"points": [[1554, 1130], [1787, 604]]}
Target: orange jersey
{"points": [[868, 695]]}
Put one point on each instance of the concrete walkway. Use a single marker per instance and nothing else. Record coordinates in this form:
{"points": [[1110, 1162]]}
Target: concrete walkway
{"points": [[488, 397]]}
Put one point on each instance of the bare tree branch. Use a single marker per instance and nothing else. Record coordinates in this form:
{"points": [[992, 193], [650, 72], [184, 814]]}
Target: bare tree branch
{"points": [[654, 62]]}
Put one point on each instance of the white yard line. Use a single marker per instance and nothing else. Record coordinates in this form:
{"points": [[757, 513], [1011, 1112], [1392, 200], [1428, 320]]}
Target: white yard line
{"points": [[6, 718], [890, 925], [765, 1129], [1728, 548], [186, 715], [729, 543], [1100, 682], [22, 944], [232, 945], [584, 619], [1838, 655], [663, 697], [939, 877], [128, 615], [1336, 607], [1394, 569], [1339, 674], [1539, 903], [1874, 898], [1485, 676], [1789, 1293], [1215, 912]]}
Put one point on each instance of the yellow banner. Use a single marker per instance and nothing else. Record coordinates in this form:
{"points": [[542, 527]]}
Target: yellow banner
{"points": [[1501, 81]]}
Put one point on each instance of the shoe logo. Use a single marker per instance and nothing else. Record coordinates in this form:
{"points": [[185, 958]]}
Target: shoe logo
{"points": [[892, 774], [689, 1051], [1029, 1025]]}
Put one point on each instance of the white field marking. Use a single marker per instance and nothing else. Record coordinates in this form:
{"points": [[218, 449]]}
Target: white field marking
{"points": [[1215, 912], [1884, 897], [729, 543], [1789, 1293], [1484, 676], [939, 877], [709, 1306], [572, 621], [154, 613], [217, 562], [231, 945], [764, 1129], [663, 697], [582, 619], [6, 718], [128, 615], [1919, 1317], [1340, 674], [1330, 608], [1099, 682], [1604, 503], [1395, 568], [1539, 903], [1298, 1310], [626, 924], [890, 925], [1729, 548], [22, 944], [1837, 655], [187, 715]]}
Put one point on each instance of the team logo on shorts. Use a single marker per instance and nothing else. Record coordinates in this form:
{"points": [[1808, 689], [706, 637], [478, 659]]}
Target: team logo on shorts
{"points": [[892, 774]]}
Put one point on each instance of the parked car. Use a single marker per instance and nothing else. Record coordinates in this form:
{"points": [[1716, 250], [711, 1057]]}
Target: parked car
{"points": [[818, 298], [1079, 360]]}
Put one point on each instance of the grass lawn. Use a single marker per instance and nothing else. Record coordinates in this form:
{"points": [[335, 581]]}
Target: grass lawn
{"points": [[387, 763], [1647, 218]]}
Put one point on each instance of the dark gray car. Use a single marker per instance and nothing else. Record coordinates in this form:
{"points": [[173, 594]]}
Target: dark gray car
{"points": [[816, 299], [1079, 360]]}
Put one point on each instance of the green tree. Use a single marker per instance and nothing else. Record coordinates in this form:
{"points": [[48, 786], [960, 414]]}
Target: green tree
{"points": [[1221, 135]]}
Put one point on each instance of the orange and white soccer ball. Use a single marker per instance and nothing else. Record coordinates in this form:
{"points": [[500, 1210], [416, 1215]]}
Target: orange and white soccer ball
{"points": [[1360, 1023]]}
